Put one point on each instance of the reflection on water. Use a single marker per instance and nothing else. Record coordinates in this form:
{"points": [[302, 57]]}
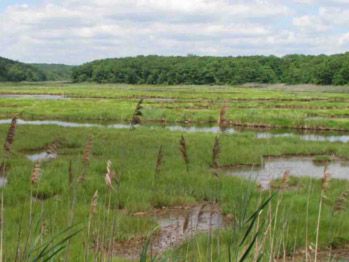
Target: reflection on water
{"points": [[42, 156], [329, 137], [27, 96], [299, 167], [3, 182], [176, 227]]}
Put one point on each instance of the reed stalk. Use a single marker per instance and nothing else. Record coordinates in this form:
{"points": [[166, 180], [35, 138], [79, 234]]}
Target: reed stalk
{"points": [[324, 187]]}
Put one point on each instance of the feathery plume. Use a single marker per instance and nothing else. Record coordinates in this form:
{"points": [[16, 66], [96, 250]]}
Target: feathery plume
{"points": [[52, 148], [109, 175], [222, 119], [94, 203], [3, 169], [10, 135], [184, 151], [216, 150], [87, 151], [159, 161], [36, 173], [326, 179], [137, 114], [341, 201], [285, 179], [70, 173]]}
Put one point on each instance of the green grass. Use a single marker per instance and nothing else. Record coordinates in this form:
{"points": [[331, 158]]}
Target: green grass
{"points": [[134, 156], [286, 221], [247, 106]]}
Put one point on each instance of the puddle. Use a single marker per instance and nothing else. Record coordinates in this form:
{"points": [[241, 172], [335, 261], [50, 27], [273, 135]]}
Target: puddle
{"points": [[329, 137], [307, 137], [27, 96], [176, 225], [299, 167], [196, 129], [42, 156], [181, 226], [61, 123], [3, 182]]}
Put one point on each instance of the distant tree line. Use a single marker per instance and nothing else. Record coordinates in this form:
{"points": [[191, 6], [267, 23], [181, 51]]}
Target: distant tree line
{"points": [[55, 72], [15, 71], [291, 69]]}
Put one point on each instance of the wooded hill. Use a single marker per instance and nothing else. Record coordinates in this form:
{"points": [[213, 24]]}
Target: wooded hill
{"points": [[15, 71], [291, 69]]}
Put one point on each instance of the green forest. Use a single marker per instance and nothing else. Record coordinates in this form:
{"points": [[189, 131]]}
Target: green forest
{"points": [[13, 71], [55, 72], [291, 69], [196, 70]]}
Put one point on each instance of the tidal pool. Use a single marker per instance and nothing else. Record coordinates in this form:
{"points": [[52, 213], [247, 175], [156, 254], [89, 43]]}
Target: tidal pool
{"points": [[3, 182], [42, 156], [33, 96], [323, 136], [274, 168]]}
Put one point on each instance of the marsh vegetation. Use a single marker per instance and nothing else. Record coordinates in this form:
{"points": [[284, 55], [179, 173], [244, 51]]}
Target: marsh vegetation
{"points": [[122, 172]]}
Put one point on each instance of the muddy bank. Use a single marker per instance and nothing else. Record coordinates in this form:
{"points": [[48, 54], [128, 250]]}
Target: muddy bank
{"points": [[176, 225]]}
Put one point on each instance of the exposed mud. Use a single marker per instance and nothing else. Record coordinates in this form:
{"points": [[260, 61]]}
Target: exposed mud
{"points": [[176, 225]]}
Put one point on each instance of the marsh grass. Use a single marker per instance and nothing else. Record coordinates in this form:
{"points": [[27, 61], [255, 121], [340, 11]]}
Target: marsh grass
{"points": [[280, 228]]}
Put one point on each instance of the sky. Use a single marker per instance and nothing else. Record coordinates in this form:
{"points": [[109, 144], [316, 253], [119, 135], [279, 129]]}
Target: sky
{"points": [[78, 31]]}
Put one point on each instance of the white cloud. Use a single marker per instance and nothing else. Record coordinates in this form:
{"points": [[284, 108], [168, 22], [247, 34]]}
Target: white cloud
{"points": [[75, 31]]}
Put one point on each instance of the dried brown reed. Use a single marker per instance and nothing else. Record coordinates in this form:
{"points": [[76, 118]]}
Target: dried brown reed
{"points": [[324, 187], [86, 158], [70, 173], [341, 202], [222, 120], [216, 150], [285, 180], [325, 180], [183, 147], [52, 148], [87, 151], [186, 223], [109, 175], [159, 161], [36, 173], [94, 203], [137, 114], [3, 169], [10, 135]]}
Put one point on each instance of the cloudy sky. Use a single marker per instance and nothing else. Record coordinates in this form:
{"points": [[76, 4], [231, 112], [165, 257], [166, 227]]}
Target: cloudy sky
{"points": [[77, 31]]}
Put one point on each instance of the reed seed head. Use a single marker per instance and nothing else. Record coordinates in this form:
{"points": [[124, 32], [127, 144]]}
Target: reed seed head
{"points": [[94, 203], [36, 173], [341, 201], [222, 113], [216, 150], [285, 179], [10, 135], [326, 180], [88, 150]]}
